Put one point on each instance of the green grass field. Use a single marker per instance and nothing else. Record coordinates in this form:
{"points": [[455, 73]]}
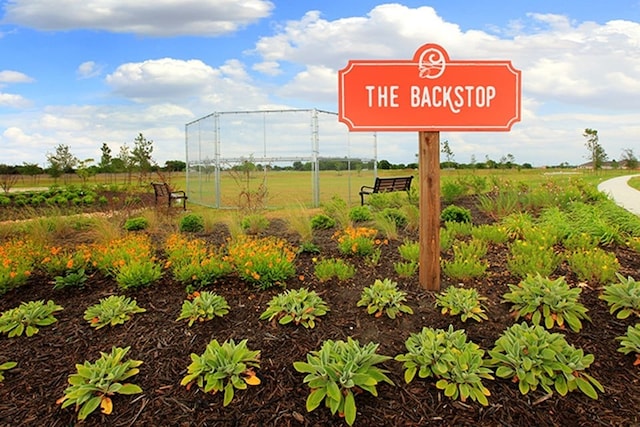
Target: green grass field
{"points": [[286, 189]]}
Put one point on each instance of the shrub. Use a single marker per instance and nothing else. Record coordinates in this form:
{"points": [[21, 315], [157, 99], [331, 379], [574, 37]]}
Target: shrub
{"points": [[299, 306], [384, 297], [191, 223], [360, 214], [534, 357], [396, 215], [453, 213], [136, 223], [223, 368], [338, 371], [94, 383], [322, 222], [28, 316], [449, 357]]}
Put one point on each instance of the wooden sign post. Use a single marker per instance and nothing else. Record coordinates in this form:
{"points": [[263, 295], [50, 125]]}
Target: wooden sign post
{"points": [[428, 94]]}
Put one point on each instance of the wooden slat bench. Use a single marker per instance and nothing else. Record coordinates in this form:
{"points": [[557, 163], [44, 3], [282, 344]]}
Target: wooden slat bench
{"points": [[163, 191], [385, 185]]}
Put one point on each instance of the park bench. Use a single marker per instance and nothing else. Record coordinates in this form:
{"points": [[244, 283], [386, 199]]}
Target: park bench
{"points": [[163, 191], [385, 185]]}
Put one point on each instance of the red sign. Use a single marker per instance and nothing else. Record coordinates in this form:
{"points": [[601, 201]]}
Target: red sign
{"points": [[429, 93]]}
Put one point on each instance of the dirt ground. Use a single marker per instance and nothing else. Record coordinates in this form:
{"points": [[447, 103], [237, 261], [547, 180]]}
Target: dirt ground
{"points": [[29, 392]]}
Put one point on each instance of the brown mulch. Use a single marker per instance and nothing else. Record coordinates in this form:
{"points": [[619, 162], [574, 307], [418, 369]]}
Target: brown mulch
{"points": [[29, 392]]}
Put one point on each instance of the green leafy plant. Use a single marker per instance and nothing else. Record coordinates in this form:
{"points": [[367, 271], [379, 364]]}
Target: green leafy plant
{"points": [[405, 269], [410, 250], [94, 383], [322, 222], [112, 310], [326, 269], [467, 260], [538, 299], [384, 297], [594, 265], [396, 215], [527, 258], [490, 233], [623, 297], [224, 368], [453, 213], [448, 356], [299, 306], [630, 342], [28, 317], [254, 223], [191, 223], [5, 367], [138, 274], [204, 306], [136, 223], [72, 279], [533, 357], [463, 302], [338, 371]]}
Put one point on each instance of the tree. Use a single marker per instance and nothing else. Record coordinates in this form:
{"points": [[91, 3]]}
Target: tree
{"points": [[629, 159], [596, 155], [446, 150], [84, 171], [384, 164], [8, 177], [175, 166], [141, 155], [106, 158], [62, 161], [125, 161]]}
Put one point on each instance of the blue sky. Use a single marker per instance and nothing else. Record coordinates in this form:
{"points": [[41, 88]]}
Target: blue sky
{"points": [[87, 72]]}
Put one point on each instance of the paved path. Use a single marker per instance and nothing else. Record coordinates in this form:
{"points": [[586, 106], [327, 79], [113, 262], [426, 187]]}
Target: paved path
{"points": [[621, 193]]}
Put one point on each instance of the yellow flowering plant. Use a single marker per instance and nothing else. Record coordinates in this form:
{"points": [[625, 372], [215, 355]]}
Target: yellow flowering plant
{"points": [[356, 240], [193, 263], [17, 260], [262, 261]]}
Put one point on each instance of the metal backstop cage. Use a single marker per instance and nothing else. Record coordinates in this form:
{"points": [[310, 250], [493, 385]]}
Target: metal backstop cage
{"points": [[275, 158]]}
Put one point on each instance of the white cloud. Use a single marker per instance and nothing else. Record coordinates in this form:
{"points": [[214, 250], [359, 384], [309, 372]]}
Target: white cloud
{"points": [[148, 17], [88, 69], [10, 76], [13, 101], [190, 82]]}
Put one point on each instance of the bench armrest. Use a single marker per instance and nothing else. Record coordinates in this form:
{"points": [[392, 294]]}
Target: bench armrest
{"points": [[366, 187]]}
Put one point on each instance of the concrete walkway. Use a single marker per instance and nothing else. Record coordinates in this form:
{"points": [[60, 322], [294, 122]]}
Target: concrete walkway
{"points": [[621, 193]]}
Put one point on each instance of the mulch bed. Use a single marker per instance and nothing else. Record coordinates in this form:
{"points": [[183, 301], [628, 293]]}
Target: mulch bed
{"points": [[29, 392]]}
